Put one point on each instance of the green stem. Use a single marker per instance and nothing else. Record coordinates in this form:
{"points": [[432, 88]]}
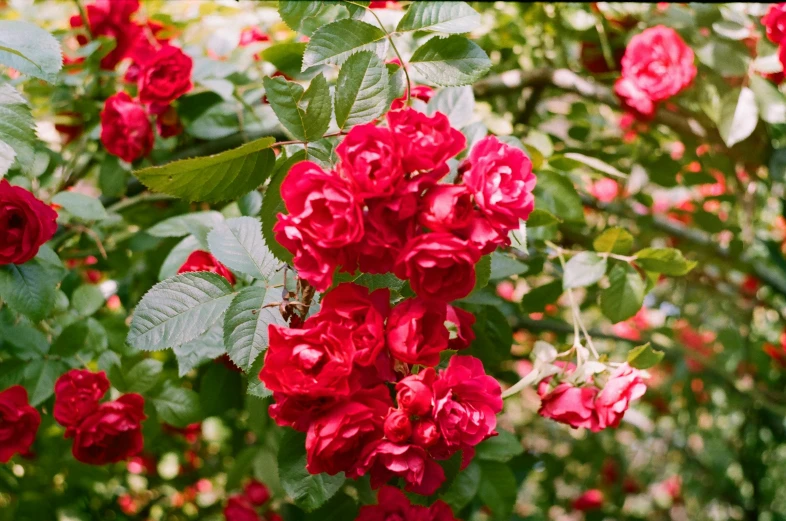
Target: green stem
{"points": [[395, 50]]}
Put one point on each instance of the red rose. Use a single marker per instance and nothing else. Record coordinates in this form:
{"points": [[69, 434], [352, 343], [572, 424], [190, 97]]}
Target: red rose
{"points": [[25, 224], [256, 492], [168, 123], [385, 459], [501, 178], [77, 393], [203, 261], [439, 266], [125, 129], [482, 234], [398, 427], [589, 500], [775, 22], [240, 508], [111, 18], [393, 505], [336, 439], [446, 207], [624, 386], [415, 394], [165, 76], [389, 223], [658, 62], [313, 362], [363, 314], [463, 321], [314, 264], [634, 99], [370, 160], [298, 412], [569, 404], [466, 403], [112, 433], [422, 92], [18, 422], [251, 35], [441, 511], [426, 142], [416, 332], [425, 433]]}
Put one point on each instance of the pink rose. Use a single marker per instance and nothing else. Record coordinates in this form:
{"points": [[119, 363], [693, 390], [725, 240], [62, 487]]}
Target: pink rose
{"points": [[775, 22], [568, 404], [426, 142], [416, 332], [370, 160], [624, 386], [385, 460], [635, 100]]}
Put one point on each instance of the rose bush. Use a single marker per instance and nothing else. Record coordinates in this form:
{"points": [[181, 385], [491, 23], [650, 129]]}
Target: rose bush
{"points": [[391, 261]]}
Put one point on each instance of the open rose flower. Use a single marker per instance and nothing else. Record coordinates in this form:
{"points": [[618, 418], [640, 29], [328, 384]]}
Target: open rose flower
{"points": [[634, 99], [389, 224], [439, 266], [446, 207], [384, 460], [426, 142], [165, 76], [239, 508], [112, 433], [569, 404], [25, 224], [314, 362], [18, 423], [775, 22], [112, 19], [624, 386], [77, 393], [203, 261], [370, 159], [415, 393], [416, 332], [125, 128]]}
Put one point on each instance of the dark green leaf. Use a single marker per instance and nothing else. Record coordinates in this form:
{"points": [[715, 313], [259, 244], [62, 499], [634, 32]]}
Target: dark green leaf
{"points": [[178, 406], [644, 357], [30, 288], [625, 294], [463, 488], [502, 448], [556, 194], [143, 376], [361, 90], [538, 298], [482, 272], [497, 489], [308, 491]]}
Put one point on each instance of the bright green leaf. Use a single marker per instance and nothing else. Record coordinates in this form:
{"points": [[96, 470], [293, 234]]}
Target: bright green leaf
{"points": [[668, 261], [304, 114], [143, 376], [361, 90], [444, 17], [614, 240], [739, 115], [308, 491], [625, 294], [450, 62], [644, 357]]}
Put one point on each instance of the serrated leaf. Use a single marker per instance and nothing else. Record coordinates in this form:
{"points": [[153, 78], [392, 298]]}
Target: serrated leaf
{"points": [[82, 206], [625, 294], [457, 103], [644, 357], [246, 325], [39, 379], [31, 288], [538, 298], [30, 50], [87, 299], [503, 266], [179, 310], [540, 218], [308, 491], [287, 57], [335, 42], [450, 62], [614, 240], [503, 447], [668, 261], [444, 17], [207, 347], [464, 487], [177, 257], [556, 194], [17, 130], [177, 406], [143, 376], [220, 177], [361, 90], [179, 225], [738, 116], [583, 269], [238, 244], [255, 385], [482, 272], [304, 114]]}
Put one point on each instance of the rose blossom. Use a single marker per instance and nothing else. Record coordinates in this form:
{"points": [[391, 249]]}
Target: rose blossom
{"points": [[624, 386], [392, 505], [398, 427], [590, 500], [775, 22], [421, 92], [25, 224], [425, 433], [314, 264], [77, 393], [439, 266], [165, 76], [256, 492], [18, 423], [416, 332], [634, 99], [501, 178], [370, 159], [204, 261], [125, 128], [298, 411], [111, 18], [389, 224], [569, 404], [414, 393], [313, 362], [446, 207], [483, 234], [336, 439], [385, 459], [426, 141], [239, 508], [112, 433], [463, 322]]}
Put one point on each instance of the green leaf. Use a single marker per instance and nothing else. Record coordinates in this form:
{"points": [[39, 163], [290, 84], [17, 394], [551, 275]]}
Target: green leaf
{"points": [[30, 288], [497, 489], [341, 507], [374, 281], [220, 390], [250, 204], [444, 17], [668, 261], [450, 62], [625, 294], [540, 218], [595, 163], [482, 272], [203, 349], [39, 379], [556, 194], [255, 385], [503, 266], [220, 177], [177, 406], [25, 342], [457, 103], [238, 244], [246, 325], [361, 90], [644, 357], [502, 448], [87, 299], [81, 336], [335, 42], [538, 298], [17, 130], [308, 491], [82, 206], [179, 310], [181, 225], [583, 269], [614, 240], [464, 487], [304, 114], [739, 116], [770, 100], [143, 376], [287, 57], [30, 50], [177, 257], [493, 336]]}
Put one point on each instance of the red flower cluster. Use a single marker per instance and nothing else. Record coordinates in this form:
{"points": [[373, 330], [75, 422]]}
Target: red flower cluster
{"points": [[590, 500], [103, 432], [777, 353], [590, 407], [775, 25], [111, 18], [657, 65], [243, 507], [392, 505], [329, 380], [18, 423], [25, 224], [383, 209], [203, 261]]}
